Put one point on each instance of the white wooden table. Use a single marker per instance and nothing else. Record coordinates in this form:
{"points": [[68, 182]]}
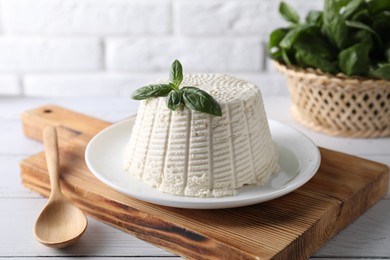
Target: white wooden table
{"points": [[366, 238]]}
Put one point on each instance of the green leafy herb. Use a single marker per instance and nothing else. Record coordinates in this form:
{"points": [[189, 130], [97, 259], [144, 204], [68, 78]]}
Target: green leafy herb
{"points": [[313, 50], [274, 41], [286, 57], [355, 60], [159, 90], [174, 100], [176, 73], [361, 36], [362, 16], [288, 41], [314, 18], [382, 72], [312, 42], [306, 59], [351, 7], [177, 96], [362, 26], [348, 36], [376, 6], [381, 25], [334, 23], [288, 13], [201, 101]]}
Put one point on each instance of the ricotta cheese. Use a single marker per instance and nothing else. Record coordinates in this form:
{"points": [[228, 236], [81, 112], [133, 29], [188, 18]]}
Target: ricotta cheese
{"points": [[189, 153]]}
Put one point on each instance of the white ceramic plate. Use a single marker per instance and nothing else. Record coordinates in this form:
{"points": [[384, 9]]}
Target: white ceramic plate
{"points": [[299, 159]]}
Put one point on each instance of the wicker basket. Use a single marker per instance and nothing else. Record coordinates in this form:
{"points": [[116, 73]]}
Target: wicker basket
{"points": [[339, 105]]}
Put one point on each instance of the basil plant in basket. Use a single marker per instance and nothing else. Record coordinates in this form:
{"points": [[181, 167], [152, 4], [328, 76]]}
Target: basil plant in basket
{"points": [[347, 36], [337, 61]]}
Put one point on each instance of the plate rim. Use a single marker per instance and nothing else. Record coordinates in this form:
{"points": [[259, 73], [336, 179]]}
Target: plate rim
{"points": [[208, 202]]}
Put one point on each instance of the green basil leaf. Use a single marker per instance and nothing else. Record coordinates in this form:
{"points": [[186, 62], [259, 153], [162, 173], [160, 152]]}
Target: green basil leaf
{"points": [[351, 7], [176, 73], [362, 15], [332, 7], [174, 99], [306, 59], [273, 46], [290, 38], [159, 90], [381, 25], [362, 36], [286, 57], [376, 6], [359, 25], [314, 18], [355, 60], [315, 44], [288, 13], [334, 23], [199, 100], [382, 72]]}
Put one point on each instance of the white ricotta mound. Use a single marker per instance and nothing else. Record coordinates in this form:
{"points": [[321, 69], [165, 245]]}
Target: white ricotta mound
{"points": [[189, 153]]}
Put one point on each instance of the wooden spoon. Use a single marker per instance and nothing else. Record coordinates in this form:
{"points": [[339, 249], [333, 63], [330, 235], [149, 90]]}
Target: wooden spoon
{"points": [[60, 223]]}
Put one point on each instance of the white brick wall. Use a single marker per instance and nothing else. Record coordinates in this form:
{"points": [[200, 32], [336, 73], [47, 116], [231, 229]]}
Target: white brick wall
{"points": [[111, 47], [220, 17], [196, 54], [86, 17], [87, 84], [30, 54], [9, 85]]}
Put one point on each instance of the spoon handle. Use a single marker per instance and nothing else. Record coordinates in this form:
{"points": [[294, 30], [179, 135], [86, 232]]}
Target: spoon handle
{"points": [[52, 159]]}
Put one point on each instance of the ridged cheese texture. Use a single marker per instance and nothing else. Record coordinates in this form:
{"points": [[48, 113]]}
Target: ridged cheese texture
{"points": [[189, 153]]}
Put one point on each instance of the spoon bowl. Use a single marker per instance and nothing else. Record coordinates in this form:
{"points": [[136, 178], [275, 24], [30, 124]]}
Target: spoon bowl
{"points": [[60, 223]]}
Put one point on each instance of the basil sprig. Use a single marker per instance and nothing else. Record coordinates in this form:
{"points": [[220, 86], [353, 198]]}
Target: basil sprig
{"points": [[177, 96], [160, 90], [348, 36]]}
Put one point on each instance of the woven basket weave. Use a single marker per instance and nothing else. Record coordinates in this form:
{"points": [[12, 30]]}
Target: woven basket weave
{"points": [[339, 105]]}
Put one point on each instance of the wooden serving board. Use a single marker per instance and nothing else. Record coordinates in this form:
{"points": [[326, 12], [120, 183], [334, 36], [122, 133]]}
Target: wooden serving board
{"points": [[291, 227]]}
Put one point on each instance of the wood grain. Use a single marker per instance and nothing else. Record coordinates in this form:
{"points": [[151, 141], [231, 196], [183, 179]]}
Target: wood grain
{"points": [[68, 123], [60, 222], [291, 227]]}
